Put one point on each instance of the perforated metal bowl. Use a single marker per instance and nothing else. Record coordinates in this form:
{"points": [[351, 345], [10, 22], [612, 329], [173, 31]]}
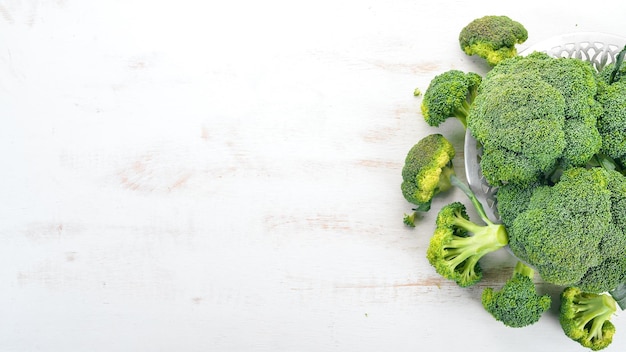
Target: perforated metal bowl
{"points": [[598, 48]]}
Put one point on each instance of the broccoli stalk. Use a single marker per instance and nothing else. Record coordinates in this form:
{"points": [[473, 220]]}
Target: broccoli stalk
{"points": [[619, 295], [615, 73], [585, 317], [517, 304], [458, 243]]}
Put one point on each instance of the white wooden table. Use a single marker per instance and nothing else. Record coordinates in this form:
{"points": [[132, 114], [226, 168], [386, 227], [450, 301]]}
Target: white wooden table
{"points": [[224, 176]]}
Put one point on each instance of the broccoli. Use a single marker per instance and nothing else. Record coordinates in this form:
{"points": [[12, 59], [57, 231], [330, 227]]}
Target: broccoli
{"points": [[493, 38], [458, 243], [512, 200], [535, 114], [517, 304], [585, 317], [574, 214], [519, 120], [612, 122], [426, 172], [611, 271], [450, 94]]}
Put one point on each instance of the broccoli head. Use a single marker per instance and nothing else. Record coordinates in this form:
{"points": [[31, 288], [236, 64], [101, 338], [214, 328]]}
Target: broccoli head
{"points": [[426, 172], [493, 38], [575, 213], [540, 101], [518, 119], [449, 94], [517, 304], [585, 317], [458, 244]]}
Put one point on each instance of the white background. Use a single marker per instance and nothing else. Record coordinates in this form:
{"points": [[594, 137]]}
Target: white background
{"points": [[224, 176]]}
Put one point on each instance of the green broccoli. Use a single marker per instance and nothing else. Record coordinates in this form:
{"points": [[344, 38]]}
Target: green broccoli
{"points": [[426, 172], [518, 119], [612, 123], [493, 38], [534, 114], [576, 81], [585, 317], [517, 304], [575, 214], [512, 199], [611, 271], [450, 94], [458, 243]]}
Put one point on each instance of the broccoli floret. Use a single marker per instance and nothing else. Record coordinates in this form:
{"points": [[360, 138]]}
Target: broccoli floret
{"points": [[534, 114], [458, 243], [518, 119], [583, 141], [450, 94], [512, 200], [574, 214], [585, 317], [493, 38], [612, 122], [611, 272], [575, 79], [426, 172], [517, 304], [604, 277]]}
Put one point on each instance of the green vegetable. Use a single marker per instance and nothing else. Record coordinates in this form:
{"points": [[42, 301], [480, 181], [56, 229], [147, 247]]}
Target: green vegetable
{"points": [[458, 243], [450, 94], [562, 230], [519, 121], [426, 172], [612, 122], [533, 115], [493, 38], [517, 304], [585, 317]]}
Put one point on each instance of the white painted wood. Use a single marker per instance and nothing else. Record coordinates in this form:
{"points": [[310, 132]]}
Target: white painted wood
{"points": [[224, 176]]}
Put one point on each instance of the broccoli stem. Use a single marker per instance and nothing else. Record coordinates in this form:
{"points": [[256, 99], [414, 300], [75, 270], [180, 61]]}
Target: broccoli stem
{"points": [[455, 181], [618, 63], [619, 295], [462, 112], [523, 269], [486, 239], [591, 313]]}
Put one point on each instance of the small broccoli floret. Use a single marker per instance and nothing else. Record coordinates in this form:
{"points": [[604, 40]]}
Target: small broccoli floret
{"points": [[450, 94], [427, 170], [493, 38], [585, 317], [409, 219], [517, 304], [574, 214], [458, 243]]}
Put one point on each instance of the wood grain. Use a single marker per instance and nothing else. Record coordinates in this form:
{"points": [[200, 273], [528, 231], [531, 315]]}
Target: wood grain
{"points": [[224, 176]]}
